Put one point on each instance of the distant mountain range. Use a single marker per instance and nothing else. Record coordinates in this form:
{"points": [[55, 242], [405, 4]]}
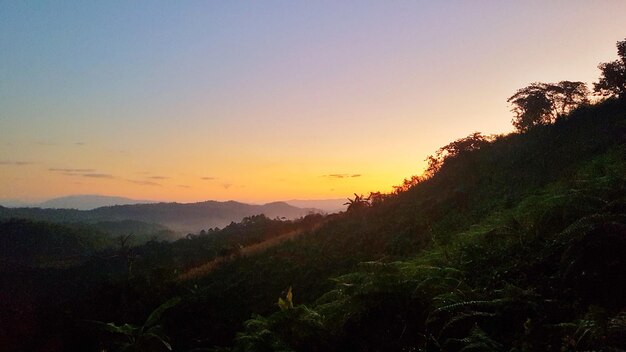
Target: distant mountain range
{"points": [[182, 218], [80, 202], [93, 201]]}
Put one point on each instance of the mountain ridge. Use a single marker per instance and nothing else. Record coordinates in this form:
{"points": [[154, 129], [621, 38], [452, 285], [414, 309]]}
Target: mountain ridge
{"points": [[180, 217]]}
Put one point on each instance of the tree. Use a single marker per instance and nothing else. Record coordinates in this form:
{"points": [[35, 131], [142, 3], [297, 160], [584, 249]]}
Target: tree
{"points": [[473, 141], [567, 96], [532, 106], [359, 202], [409, 183], [612, 81], [543, 103]]}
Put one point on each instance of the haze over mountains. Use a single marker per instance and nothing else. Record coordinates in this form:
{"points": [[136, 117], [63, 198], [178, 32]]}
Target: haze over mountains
{"points": [[93, 201], [182, 218], [88, 202], [78, 201]]}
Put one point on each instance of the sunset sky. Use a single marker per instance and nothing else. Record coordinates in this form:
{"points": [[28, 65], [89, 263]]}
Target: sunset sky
{"points": [[268, 100]]}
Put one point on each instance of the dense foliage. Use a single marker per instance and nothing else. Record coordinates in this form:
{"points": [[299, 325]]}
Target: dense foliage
{"points": [[612, 82]]}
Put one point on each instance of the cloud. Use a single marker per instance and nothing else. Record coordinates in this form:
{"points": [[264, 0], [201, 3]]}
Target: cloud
{"points": [[15, 163], [70, 170], [184, 186], [227, 185], [340, 176], [208, 178], [144, 183], [159, 177], [336, 175], [95, 175], [80, 144]]}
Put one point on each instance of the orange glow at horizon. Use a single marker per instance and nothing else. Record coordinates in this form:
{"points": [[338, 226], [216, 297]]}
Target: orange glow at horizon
{"points": [[257, 102]]}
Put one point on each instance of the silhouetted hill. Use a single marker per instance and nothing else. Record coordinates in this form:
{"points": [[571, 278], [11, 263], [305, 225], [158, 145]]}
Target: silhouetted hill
{"points": [[87, 202], [34, 244], [517, 243], [191, 217]]}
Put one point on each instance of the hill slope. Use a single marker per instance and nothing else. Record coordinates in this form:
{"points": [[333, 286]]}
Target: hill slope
{"points": [[478, 254], [519, 244], [183, 218]]}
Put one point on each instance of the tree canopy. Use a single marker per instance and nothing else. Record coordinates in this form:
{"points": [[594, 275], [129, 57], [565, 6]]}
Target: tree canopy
{"points": [[542, 103], [612, 81]]}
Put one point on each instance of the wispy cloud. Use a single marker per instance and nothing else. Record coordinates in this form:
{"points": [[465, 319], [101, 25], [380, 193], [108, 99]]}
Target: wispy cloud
{"points": [[97, 175], [144, 183], [336, 175], [71, 170], [227, 185], [159, 177], [15, 163], [80, 144], [340, 176], [208, 178], [184, 186]]}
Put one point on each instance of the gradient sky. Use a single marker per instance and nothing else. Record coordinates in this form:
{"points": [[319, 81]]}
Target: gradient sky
{"points": [[268, 100]]}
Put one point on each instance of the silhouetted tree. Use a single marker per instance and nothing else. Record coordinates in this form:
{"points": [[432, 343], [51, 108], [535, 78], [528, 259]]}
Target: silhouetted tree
{"points": [[542, 103], [377, 198], [409, 183], [474, 141], [567, 96], [613, 77], [359, 202], [531, 106]]}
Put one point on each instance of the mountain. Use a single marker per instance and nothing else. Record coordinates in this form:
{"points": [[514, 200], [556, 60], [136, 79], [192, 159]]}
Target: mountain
{"points": [[182, 218], [87, 202], [328, 205], [14, 203]]}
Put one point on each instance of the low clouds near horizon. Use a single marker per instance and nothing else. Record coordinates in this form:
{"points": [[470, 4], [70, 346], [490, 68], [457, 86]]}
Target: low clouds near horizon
{"points": [[340, 176], [70, 170], [97, 175], [144, 183]]}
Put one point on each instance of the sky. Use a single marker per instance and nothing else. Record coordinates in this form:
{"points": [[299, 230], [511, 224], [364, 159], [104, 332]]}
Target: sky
{"points": [[269, 100]]}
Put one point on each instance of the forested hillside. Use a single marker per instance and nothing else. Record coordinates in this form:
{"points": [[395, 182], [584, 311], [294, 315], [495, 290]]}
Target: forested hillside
{"points": [[506, 243]]}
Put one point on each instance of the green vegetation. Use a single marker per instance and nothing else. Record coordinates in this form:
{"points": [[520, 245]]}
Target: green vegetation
{"points": [[506, 243]]}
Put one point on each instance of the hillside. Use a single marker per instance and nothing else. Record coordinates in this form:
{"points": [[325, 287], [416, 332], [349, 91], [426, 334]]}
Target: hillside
{"points": [[182, 218], [492, 237], [515, 244]]}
